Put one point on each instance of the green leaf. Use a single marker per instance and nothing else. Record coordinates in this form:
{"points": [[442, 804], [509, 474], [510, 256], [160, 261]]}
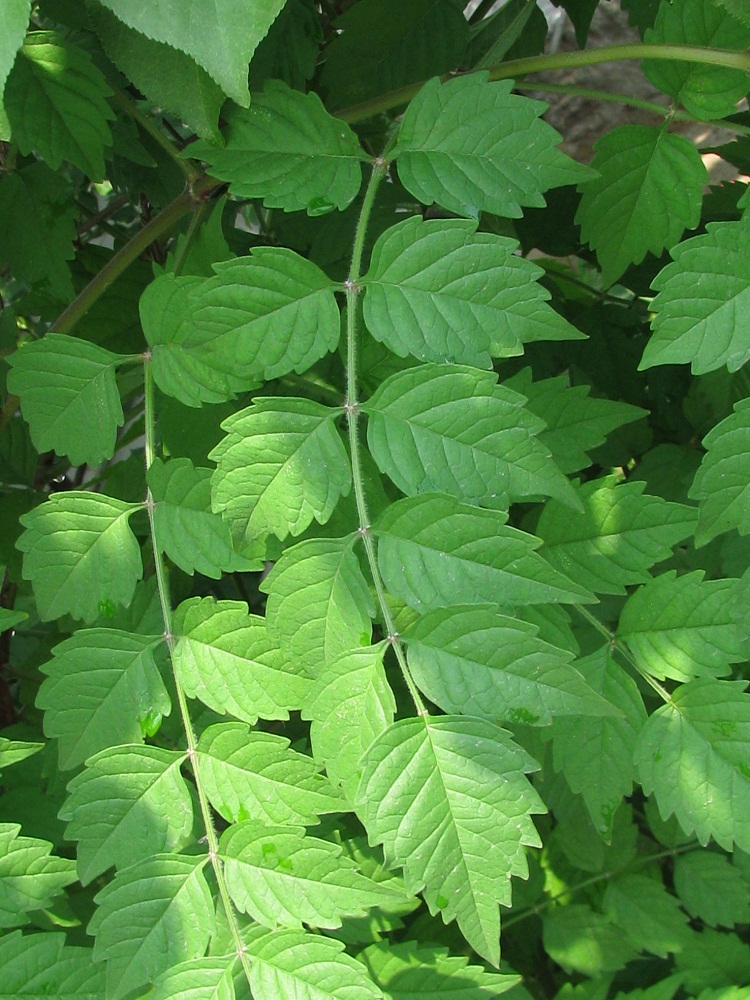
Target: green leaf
{"points": [[220, 35], [175, 920], [412, 971], [14, 20], [350, 704], [453, 429], [280, 876], [291, 963], [721, 483], [650, 916], [56, 102], [8, 620], [714, 960], [42, 965], [197, 979], [449, 800], [434, 552], [281, 464], [289, 51], [583, 941], [474, 661], [596, 754], [738, 8], [225, 657], [71, 543], [711, 888], [163, 74], [319, 605], [287, 150], [130, 802], [692, 754], [683, 627], [576, 423], [473, 146], [69, 396], [193, 537], [103, 688], [649, 190], [30, 877], [619, 536], [257, 775], [701, 294], [706, 91], [13, 751]]}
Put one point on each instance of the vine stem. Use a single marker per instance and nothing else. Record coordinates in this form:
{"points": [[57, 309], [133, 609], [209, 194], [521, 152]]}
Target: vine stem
{"points": [[162, 582], [353, 289]]}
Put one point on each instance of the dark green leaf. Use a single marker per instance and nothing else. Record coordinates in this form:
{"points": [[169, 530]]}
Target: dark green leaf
{"points": [[42, 965], [721, 483], [711, 888], [650, 916]]}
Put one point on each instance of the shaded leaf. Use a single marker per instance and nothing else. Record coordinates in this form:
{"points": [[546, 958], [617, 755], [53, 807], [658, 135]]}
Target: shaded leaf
{"points": [[583, 941], [14, 20], [42, 965], [711, 888], [650, 916], [30, 877], [721, 483]]}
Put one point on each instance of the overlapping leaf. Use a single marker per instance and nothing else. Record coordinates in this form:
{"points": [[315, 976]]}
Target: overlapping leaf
{"points": [[692, 754], [684, 626], [649, 190], [453, 429], [69, 396], [225, 657], [103, 688], [12, 751], [722, 484], [617, 538], [449, 800], [175, 920], [711, 888], [80, 554], [650, 916], [14, 20], [435, 552], [473, 146], [42, 965], [474, 661], [30, 877], [703, 296], [129, 803], [257, 775], [580, 939], [281, 464], [287, 150], [319, 605]]}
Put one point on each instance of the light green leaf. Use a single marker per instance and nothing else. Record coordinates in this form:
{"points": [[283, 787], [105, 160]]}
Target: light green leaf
{"points": [[130, 802], [14, 20], [350, 704], [711, 888], [291, 963], [701, 296], [721, 484], [474, 661], [56, 102], [412, 971], [69, 396], [596, 754], [71, 545], [453, 429], [175, 920], [220, 35], [193, 537], [473, 146], [12, 751], [583, 941], [281, 464], [225, 657], [287, 150], [435, 552], [650, 916], [683, 627], [692, 753], [576, 422], [706, 91], [617, 538], [280, 876], [9, 619], [649, 190], [319, 605], [30, 877], [197, 979], [42, 965], [257, 775], [449, 800], [103, 688]]}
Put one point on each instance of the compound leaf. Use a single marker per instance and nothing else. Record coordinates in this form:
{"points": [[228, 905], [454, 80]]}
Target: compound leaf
{"points": [[69, 397], [449, 800], [197, 979], [721, 484], [711, 888], [473, 146], [42, 965], [30, 877]]}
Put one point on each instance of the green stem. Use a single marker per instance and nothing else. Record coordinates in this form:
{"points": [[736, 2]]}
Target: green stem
{"points": [[162, 582], [563, 60], [353, 290], [132, 109]]}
